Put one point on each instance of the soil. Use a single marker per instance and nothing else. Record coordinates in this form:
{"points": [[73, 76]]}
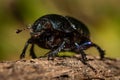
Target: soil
{"points": [[61, 68]]}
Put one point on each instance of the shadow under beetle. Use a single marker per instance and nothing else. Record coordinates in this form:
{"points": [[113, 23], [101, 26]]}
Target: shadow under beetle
{"points": [[60, 33]]}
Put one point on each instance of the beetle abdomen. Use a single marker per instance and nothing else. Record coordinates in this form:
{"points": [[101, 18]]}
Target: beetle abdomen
{"points": [[79, 26]]}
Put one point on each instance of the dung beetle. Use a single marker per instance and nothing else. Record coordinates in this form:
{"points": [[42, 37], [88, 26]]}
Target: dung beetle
{"points": [[60, 33]]}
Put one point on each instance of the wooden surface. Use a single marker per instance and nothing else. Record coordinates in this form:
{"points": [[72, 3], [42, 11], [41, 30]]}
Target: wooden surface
{"points": [[62, 68]]}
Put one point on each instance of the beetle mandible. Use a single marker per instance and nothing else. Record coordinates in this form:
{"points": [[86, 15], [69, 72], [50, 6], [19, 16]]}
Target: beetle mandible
{"points": [[60, 33]]}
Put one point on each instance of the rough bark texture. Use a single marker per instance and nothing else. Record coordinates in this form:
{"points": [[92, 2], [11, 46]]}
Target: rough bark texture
{"points": [[62, 68]]}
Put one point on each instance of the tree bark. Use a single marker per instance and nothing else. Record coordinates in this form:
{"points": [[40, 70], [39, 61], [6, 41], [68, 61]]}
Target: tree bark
{"points": [[61, 68]]}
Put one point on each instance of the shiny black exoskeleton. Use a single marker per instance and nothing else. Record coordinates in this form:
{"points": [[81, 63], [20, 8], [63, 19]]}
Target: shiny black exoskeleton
{"points": [[60, 33]]}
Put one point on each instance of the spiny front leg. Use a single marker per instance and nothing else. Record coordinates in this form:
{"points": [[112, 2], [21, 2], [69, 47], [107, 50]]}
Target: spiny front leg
{"points": [[55, 51]]}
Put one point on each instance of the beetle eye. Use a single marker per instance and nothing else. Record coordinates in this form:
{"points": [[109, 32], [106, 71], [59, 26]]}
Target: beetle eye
{"points": [[38, 27]]}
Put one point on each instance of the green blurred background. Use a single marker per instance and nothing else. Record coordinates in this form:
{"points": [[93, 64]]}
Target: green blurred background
{"points": [[101, 16]]}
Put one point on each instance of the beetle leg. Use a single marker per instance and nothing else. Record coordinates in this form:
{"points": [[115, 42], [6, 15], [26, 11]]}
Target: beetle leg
{"points": [[32, 53], [55, 51], [91, 44], [102, 52], [24, 50], [80, 49], [84, 58]]}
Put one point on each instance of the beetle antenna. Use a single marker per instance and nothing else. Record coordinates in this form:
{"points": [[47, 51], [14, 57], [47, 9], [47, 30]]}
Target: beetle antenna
{"points": [[20, 30]]}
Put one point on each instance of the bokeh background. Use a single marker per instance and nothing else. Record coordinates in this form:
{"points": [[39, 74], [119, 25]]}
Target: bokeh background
{"points": [[101, 16]]}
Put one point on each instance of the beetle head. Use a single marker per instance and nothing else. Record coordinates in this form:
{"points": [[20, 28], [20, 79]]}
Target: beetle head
{"points": [[39, 27], [36, 30]]}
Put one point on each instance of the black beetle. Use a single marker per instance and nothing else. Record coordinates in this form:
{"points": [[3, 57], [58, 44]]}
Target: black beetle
{"points": [[60, 33]]}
